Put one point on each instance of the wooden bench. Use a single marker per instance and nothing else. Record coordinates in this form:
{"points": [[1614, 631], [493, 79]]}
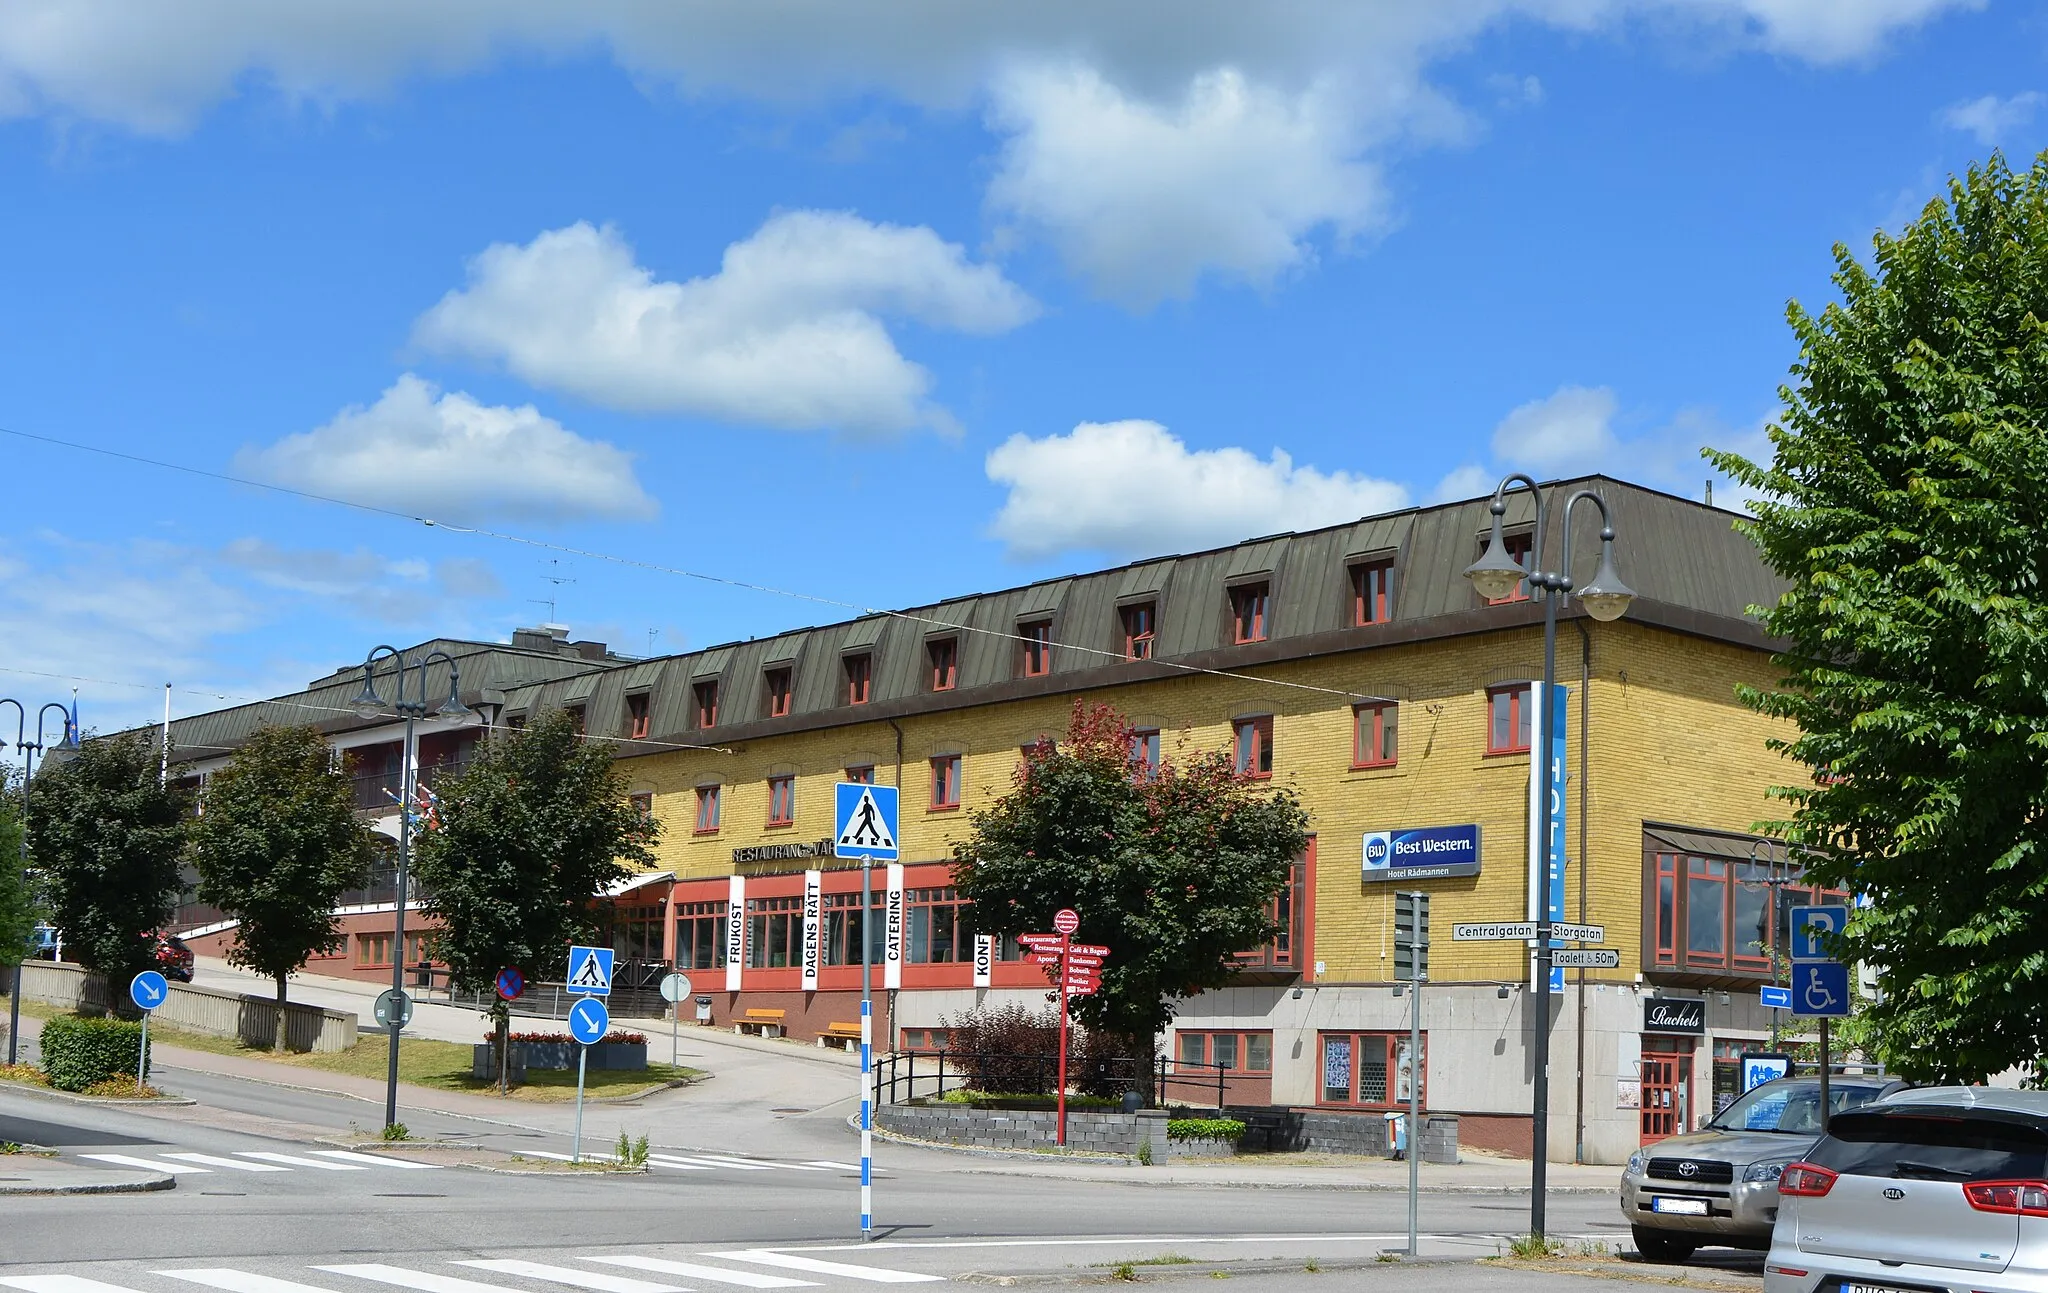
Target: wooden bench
{"points": [[769, 1022], [843, 1035]]}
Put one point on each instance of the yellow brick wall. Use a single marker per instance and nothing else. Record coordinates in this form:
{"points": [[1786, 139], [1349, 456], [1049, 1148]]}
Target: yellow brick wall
{"points": [[1670, 743]]}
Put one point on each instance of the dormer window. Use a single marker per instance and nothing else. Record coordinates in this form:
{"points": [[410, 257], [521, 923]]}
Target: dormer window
{"points": [[860, 670], [637, 716], [780, 691], [707, 703], [1037, 658], [1141, 623], [1518, 546], [944, 655], [1372, 592], [1248, 604]]}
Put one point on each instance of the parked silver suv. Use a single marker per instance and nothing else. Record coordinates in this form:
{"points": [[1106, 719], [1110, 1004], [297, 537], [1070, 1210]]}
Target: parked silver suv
{"points": [[1941, 1188], [1720, 1185]]}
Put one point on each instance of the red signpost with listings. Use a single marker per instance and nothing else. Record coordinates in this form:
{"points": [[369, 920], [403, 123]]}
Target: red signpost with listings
{"points": [[1077, 969]]}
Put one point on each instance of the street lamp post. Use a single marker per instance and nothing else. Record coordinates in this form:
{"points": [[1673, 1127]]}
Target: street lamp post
{"points": [[1495, 576], [368, 704], [28, 751]]}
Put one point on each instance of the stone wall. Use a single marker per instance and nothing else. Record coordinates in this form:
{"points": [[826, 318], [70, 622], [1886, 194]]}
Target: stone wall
{"points": [[251, 1019], [1307, 1131], [1088, 1131]]}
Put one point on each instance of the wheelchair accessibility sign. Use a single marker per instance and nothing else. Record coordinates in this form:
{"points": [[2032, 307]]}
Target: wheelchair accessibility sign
{"points": [[1820, 989]]}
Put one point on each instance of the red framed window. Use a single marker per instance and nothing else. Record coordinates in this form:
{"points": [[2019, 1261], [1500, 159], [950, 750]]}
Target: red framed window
{"points": [[1507, 719], [1255, 746], [1375, 732], [1518, 548], [1370, 1070], [1145, 752], [1140, 629], [781, 691], [1037, 655], [1716, 914], [1667, 909], [862, 774], [781, 801], [707, 704], [938, 928], [860, 672], [927, 1039], [707, 809], [945, 661], [637, 718], [1235, 1051], [1248, 612], [1372, 592], [946, 781], [1283, 910]]}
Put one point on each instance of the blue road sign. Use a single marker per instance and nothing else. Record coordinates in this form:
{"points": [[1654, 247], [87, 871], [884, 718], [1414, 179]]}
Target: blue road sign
{"points": [[590, 971], [589, 1021], [510, 983], [1759, 1069], [1820, 989], [1810, 928], [1775, 998], [864, 822], [148, 990]]}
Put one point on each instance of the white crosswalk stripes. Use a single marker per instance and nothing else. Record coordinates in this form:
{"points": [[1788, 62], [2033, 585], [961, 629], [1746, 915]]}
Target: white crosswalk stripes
{"points": [[423, 1281], [293, 1160], [186, 1161], [374, 1160], [146, 1164], [59, 1284], [739, 1164], [811, 1265], [677, 1164], [714, 1274], [234, 1281], [214, 1160], [597, 1280]]}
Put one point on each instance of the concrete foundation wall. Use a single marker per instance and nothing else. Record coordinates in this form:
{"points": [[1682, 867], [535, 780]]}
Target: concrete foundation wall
{"points": [[1089, 1131], [251, 1019]]}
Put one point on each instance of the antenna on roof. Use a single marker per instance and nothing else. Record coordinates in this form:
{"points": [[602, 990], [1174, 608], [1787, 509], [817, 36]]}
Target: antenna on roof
{"points": [[1710, 493], [557, 579]]}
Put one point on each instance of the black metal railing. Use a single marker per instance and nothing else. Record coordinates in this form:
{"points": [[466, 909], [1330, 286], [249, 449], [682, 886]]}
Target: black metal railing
{"points": [[902, 1076]]}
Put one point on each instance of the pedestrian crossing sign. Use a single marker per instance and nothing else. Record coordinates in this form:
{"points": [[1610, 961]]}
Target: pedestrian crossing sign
{"points": [[864, 823], [590, 971]]}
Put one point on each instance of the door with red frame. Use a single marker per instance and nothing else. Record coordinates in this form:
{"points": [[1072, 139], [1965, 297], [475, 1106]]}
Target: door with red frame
{"points": [[1666, 1094]]}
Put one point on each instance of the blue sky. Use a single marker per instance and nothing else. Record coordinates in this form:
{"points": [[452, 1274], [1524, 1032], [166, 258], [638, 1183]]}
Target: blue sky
{"points": [[880, 303]]}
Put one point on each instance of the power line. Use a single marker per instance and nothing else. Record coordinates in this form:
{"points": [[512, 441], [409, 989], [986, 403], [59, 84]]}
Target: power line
{"points": [[636, 563]]}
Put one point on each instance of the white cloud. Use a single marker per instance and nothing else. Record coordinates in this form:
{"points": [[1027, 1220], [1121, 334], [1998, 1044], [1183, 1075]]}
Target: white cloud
{"points": [[1991, 118], [450, 457], [1468, 481], [405, 590], [787, 334], [1133, 487], [1568, 431], [1141, 200]]}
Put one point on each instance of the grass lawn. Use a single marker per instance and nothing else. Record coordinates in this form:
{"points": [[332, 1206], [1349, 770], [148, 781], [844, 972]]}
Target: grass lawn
{"points": [[444, 1066]]}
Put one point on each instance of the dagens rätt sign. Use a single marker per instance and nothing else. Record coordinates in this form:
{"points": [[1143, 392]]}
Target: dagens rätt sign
{"points": [[1424, 853]]}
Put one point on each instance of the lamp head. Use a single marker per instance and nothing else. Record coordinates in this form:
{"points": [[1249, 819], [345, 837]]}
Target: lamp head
{"points": [[1495, 575], [453, 707], [1606, 598], [368, 704]]}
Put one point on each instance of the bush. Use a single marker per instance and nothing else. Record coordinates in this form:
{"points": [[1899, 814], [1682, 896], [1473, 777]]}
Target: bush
{"points": [[617, 1036], [1008, 1049], [1229, 1129], [80, 1052]]}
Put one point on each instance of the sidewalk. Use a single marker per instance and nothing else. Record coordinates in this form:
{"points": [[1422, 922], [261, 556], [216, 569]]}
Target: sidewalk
{"points": [[34, 1174]]}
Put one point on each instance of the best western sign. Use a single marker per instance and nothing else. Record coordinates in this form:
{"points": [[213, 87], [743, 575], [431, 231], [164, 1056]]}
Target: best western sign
{"points": [[1421, 853]]}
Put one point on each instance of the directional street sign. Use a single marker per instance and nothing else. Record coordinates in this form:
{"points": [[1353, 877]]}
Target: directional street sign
{"points": [[1041, 940], [589, 1021], [1775, 998], [148, 990], [590, 971], [1088, 949], [1820, 989], [1810, 928], [1080, 962], [1066, 920], [864, 821], [1590, 959], [1507, 931], [1579, 933], [674, 987], [510, 984], [393, 1009]]}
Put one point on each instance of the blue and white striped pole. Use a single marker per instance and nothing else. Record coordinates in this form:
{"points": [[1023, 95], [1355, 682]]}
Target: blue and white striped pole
{"points": [[867, 1118]]}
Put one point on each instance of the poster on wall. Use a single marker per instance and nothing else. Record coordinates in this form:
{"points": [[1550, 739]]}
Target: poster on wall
{"points": [[892, 928], [735, 931], [1628, 1093], [814, 902]]}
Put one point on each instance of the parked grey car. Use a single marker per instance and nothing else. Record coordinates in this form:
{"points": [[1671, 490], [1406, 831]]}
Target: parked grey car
{"points": [[1939, 1188], [1720, 1185]]}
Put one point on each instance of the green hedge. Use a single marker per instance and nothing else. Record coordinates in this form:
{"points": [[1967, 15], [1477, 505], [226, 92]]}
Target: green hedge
{"points": [[1204, 1129], [79, 1052]]}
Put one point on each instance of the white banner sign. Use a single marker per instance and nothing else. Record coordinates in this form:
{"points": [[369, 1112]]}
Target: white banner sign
{"points": [[893, 915], [735, 930], [814, 902], [984, 959]]}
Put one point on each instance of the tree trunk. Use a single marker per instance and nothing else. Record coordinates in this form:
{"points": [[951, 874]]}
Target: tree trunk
{"points": [[504, 1013], [277, 1040]]}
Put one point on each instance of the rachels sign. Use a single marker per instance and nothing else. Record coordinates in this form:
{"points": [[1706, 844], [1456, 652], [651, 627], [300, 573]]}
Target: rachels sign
{"points": [[1675, 1015]]}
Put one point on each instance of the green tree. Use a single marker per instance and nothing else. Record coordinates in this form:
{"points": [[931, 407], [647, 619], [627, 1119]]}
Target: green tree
{"points": [[105, 837], [540, 824], [1175, 873], [278, 844], [1905, 505], [19, 910]]}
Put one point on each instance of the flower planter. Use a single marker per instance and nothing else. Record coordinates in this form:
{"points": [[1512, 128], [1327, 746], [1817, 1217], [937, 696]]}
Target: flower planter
{"points": [[562, 1055]]}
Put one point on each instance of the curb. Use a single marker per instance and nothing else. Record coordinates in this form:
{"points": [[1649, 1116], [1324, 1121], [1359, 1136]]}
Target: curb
{"points": [[140, 1185], [162, 1102], [1105, 1273]]}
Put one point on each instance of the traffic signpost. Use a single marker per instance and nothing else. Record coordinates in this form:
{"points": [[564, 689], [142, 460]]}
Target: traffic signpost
{"points": [[148, 990], [1820, 983], [393, 1009], [589, 1021], [864, 825], [1076, 969], [1775, 998], [1587, 958], [510, 984], [674, 987], [590, 971]]}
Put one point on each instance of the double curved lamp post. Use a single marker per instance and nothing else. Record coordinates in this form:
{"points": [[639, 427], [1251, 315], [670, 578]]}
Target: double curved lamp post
{"points": [[369, 704], [1495, 576], [28, 750]]}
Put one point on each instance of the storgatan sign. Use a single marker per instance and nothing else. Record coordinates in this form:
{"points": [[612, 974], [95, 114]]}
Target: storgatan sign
{"points": [[1423, 853]]}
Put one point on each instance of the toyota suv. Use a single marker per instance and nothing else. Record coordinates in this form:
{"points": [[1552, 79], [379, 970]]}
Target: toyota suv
{"points": [[1719, 1185], [1937, 1189]]}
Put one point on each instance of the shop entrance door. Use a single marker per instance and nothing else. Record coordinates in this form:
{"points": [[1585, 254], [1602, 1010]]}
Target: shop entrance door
{"points": [[1667, 1094]]}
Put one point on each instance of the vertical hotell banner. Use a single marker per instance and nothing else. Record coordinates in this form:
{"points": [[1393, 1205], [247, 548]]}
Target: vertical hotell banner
{"points": [[1547, 776], [735, 931], [892, 942], [814, 901]]}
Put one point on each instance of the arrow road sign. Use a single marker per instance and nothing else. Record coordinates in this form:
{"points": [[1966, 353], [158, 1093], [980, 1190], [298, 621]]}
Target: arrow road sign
{"points": [[1579, 933], [1080, 962], [1591, 959], [1508, 931], [590, 971], [1820, 989], [864, 821], [589, 1021], [1775, 998], [1035, 940], [393, 1009], [148, 990], [1088, 949]]}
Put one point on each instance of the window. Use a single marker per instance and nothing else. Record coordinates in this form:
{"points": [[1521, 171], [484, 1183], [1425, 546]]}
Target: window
{"points": [[927, 1039], [707, 703], [1518, 547], [946, 781], [707, 809], [939, 930], [1368, 1068], [779, 692], [781, 801], [373, 949], [1715, 915], [700, 935], [1372, 592], [1374, 729], [862, 774], [843, 925], [775, 931], [1145, 753], [1139, 629], [859, 673], [643, 806], [1255, 746], [1037, 648], [1507, 719], [1284, 911], [515, 722], [576, 717], [1248, 612], [945, 660], [1236, 1052], [636, 716]]}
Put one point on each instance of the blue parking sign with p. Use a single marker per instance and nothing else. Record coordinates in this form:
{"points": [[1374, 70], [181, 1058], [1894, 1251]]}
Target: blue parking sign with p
{"points": [[1811, 928]]}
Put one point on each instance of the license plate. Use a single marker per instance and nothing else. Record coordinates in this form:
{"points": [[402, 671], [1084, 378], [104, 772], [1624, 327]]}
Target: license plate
{"points": [[1698, 1208], [1846, 1287]]}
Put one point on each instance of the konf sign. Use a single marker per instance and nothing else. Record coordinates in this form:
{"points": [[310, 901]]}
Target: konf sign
{"points": [[1675, 1015]]}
